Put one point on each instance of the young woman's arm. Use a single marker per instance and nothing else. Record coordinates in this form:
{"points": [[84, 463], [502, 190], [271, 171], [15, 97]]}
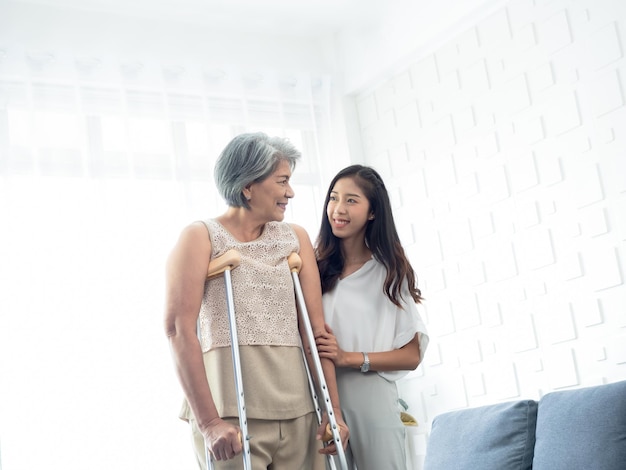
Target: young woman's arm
{"points": [[405, 358]]}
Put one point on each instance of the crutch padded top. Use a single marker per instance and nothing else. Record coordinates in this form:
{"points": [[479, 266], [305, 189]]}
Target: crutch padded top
{"points": [[295, 262], [229, 260]]}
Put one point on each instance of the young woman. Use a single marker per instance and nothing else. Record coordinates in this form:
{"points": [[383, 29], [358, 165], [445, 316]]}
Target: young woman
{"points": [[253, 175], [375, 334]]}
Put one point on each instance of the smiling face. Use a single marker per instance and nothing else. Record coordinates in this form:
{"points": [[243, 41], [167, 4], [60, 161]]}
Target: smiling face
{"points": [[268, 198], [348, 209]]}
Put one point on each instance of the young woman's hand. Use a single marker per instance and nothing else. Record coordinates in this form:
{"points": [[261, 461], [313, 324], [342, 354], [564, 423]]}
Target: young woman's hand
{"points": [[328, 347]]}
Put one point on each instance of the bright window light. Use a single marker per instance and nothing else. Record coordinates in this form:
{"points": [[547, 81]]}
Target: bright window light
{"points": [[87, 225]]}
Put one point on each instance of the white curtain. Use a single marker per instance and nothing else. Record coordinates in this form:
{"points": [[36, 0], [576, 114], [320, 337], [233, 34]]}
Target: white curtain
{"points": [[97, 178]]}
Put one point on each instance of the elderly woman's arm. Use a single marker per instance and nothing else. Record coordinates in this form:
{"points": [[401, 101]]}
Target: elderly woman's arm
{"points": [[312, 291], [185, 277]]}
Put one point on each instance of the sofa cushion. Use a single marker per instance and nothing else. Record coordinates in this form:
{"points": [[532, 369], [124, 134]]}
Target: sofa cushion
{"points": [[582, 429], [493, 437]]}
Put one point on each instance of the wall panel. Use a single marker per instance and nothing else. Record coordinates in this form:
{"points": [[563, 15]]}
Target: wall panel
{"points": [[504, 152]]}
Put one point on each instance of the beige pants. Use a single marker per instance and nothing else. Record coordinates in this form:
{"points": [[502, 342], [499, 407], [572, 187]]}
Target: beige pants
{"points": [[274, 445]]}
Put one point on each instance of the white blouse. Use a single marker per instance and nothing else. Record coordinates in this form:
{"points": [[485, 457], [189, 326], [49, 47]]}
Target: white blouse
{"points": [[364, 319]]}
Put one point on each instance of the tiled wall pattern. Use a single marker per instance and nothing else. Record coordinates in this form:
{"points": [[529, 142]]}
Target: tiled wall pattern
{"points": [[505, 154]]}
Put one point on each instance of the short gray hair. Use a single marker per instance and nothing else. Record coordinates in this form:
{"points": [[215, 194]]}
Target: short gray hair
{"points": [[250, 158]]}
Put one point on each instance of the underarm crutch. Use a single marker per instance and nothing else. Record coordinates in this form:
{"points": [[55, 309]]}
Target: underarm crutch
{"points": [[318, 410], [224, 264], [295, 264]]}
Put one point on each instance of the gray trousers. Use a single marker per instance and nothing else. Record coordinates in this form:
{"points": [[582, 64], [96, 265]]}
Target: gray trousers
{"points": [[369, 407]]}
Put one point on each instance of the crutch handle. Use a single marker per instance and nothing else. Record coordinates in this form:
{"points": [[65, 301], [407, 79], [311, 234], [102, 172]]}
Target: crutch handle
{"points": [[328, 434], [295, 262], [228, 260]]}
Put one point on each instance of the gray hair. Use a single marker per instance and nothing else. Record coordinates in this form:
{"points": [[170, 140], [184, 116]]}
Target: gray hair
{"points": [[250, 158]]}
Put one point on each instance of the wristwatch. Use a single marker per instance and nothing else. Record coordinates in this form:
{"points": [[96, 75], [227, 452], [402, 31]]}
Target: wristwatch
{"points": [[365, 367]]}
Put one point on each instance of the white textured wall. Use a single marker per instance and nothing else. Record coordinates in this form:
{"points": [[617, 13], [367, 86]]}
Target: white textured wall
{"points": [[373, 50], [505, 154]]}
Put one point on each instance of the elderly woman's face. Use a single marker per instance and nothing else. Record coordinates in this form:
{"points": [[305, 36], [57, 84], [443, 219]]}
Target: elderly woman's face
{"points": [[269, 198]]}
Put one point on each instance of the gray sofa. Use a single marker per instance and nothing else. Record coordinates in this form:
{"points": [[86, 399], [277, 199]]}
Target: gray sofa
{"points": [[581, 429]]}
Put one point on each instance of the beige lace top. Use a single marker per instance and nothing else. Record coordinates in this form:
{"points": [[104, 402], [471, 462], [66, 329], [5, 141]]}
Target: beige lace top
{"points": [[262, 289], [274, 377]]}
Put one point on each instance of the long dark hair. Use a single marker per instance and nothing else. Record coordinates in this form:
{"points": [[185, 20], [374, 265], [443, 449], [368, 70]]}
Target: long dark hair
{"points": [[381, 238]]}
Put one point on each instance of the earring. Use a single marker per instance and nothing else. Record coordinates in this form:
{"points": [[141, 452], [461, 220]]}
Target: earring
{"points": [[371, 217]]}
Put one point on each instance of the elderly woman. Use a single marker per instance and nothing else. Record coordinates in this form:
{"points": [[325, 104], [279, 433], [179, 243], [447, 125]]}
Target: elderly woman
{"points": [[253, 176]]}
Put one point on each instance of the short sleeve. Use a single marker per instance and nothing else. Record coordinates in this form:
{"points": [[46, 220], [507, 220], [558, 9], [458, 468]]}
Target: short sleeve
{"points": [[409, 322]]}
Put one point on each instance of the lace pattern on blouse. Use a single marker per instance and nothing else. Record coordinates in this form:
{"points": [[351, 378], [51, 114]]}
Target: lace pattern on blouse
{"points": [[263, 291]]}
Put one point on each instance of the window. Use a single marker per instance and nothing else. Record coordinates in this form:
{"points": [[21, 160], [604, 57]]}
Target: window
{"points": [[96, 183]]}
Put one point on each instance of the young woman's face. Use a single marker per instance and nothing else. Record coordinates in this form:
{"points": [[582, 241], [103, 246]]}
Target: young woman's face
{"points": [[269, 198], [348, 209]]}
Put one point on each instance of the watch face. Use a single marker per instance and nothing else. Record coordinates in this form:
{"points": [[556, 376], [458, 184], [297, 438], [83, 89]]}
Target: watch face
{"points": [[366, 363]]}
